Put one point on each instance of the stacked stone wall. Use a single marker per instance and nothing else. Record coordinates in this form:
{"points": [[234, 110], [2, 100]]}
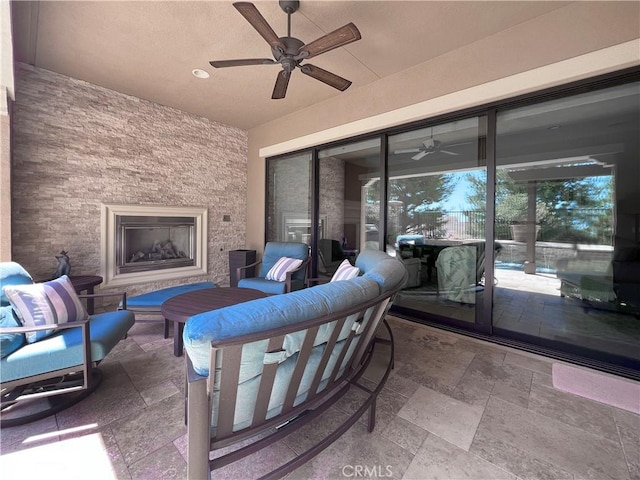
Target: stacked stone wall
{"points": [[76, 146]]}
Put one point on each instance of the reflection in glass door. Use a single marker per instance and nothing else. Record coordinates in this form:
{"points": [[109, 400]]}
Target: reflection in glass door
{"points": [[349, 205], [289, 206], [567, 209], [436, 200]]}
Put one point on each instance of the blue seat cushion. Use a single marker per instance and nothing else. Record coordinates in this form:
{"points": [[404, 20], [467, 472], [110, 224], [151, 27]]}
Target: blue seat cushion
{"points": [[63, 349], [269, 286], [155, 299]]}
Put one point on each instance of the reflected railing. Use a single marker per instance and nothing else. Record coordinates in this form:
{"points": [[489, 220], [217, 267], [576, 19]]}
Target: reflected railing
{"points": [[580, 225]]}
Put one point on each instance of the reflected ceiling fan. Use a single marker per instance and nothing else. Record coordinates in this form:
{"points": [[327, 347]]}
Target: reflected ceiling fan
{"points": [[429, 147], [289, 51]]}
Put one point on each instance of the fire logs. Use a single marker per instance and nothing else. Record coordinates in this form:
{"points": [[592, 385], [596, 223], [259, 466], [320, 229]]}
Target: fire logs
{"points": [[159, 251]]}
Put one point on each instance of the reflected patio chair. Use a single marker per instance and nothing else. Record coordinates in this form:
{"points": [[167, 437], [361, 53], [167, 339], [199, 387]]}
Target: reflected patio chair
{"points": [[458, 274], [330, 255]]}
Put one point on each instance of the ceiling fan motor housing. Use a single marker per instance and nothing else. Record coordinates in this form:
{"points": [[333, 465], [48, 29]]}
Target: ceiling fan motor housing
{"points": [[289, 6], [292, 45]]}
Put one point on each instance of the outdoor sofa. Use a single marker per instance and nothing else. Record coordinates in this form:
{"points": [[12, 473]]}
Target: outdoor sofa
{"points": [[282, 360]]}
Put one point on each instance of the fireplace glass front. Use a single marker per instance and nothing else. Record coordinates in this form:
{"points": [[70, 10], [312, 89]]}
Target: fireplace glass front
{"points": [[154, 242]]}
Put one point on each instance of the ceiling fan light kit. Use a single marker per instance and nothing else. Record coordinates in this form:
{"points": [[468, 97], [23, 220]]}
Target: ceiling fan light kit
{"points": [[289, 51]]}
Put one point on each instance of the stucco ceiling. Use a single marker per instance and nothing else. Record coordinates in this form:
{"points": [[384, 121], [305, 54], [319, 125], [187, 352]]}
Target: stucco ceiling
{"points": [[148, 49]]}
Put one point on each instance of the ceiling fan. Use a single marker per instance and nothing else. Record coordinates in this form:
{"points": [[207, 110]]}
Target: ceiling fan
{"points": [[289, 51], [430, 146]]}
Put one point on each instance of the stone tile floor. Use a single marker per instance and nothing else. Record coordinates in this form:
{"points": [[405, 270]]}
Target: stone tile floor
{"points": [[453, 408]]}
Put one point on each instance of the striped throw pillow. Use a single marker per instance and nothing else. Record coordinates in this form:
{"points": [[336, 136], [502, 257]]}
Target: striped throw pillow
{"points": [[284, 265], [46, 303], [345, 272]]}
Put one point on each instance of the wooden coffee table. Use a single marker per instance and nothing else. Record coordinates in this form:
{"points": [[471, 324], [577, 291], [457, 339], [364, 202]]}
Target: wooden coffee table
{"points": [[181, 307]]}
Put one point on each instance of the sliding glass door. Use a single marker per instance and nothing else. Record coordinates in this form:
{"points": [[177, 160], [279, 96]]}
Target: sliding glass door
{"points": [[519, 222], [436, 199], [349, 203], [567, 207]]}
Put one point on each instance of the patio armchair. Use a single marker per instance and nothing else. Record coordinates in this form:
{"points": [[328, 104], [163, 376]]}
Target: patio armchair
{"points": [[51, 360], [293, 279]]}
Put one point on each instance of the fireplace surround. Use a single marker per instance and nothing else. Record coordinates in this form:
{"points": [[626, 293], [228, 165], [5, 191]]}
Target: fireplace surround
{"points": [[149, 243]]}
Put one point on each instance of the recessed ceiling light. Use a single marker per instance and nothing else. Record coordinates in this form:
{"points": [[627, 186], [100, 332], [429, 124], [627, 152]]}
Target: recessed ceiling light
{"points": [[198, 73]]}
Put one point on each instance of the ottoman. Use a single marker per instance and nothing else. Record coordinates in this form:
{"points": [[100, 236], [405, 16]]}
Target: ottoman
{"points": [[150, 303]]}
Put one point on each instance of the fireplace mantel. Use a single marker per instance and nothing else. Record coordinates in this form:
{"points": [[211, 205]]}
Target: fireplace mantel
{"points": [[111, 237]]}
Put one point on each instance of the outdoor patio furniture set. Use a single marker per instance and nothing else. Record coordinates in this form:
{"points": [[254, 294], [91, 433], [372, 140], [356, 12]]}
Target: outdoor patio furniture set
{"points": [[280, 360]]}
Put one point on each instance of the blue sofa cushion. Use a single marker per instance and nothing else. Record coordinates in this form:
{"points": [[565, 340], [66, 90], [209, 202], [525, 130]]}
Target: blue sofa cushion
{"points": [[12, 273], [63, 349], [156, 298], [9, 342], [271, 312]]}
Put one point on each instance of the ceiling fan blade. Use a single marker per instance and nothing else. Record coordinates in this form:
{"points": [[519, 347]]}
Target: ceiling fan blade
{"points": [[324, 76], [282, 82], [448, 152], [239, 63], [406, 150], [338, 38], [420, 155], [254, 17]]}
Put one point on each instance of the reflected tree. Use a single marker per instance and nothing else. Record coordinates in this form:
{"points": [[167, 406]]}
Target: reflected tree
{"points": [[420, 199], [574, 210]]}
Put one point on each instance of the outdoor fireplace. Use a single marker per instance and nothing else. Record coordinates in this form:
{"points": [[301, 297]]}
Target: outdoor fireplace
{"points": [[145, 243]]}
